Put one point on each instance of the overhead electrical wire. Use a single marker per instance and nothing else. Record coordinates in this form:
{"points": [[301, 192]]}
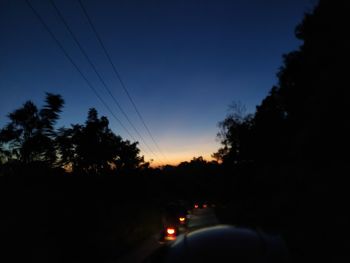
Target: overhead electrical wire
{"points": [[120, 78], [77, 68], [99, 76]]}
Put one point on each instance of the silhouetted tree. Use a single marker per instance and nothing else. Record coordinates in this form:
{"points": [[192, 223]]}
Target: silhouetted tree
{"points": [[313, 83], [93, 148], [270, 134], [235, 136], [29, 136], [198, 166], [304, 115], [128, 158], [299, 134]]}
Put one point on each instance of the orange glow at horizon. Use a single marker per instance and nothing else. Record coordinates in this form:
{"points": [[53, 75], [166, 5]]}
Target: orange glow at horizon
{"points": [[176, 160], [177, 148]]}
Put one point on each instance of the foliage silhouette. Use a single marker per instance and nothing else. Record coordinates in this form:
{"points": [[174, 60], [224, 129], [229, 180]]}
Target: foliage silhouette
{"points": [[303, 117], [235, 136], [296, 141], [94, 149], [30, 135]]}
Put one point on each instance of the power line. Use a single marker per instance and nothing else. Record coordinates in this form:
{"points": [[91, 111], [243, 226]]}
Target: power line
{"points": [[119, 77], [77, 68], [99, 75]]}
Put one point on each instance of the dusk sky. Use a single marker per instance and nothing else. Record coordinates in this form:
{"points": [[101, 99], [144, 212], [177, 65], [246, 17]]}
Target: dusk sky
{"points": [[183, 62]]}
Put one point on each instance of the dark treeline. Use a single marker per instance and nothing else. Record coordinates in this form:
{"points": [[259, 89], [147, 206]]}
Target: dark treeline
{"points": [[289, 159], [30, 139], [282, 168]]}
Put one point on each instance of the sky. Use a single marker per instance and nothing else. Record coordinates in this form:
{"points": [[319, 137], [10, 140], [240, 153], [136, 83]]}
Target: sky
{"points": [[182, 61]]}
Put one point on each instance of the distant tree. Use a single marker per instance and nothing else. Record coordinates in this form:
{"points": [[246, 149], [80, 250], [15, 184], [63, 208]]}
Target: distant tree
{"points": [[235, 135], [93, 148], [197, 166], [29, 136], [128, 158]]}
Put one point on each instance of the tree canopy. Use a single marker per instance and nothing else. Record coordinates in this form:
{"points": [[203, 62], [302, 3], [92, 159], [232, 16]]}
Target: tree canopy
{"points": [[30, 134], [91, 148], [303, 118], [94, 148]]}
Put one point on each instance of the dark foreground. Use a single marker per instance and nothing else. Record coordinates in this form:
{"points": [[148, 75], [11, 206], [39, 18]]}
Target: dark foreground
{"points": [[89, 219]]}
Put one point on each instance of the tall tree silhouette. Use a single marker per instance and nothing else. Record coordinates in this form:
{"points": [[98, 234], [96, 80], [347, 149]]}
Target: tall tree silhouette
{"points": [[235, 136], [299, 137], [304, 116], [94, 149], [30, 134], [270, 136], [313, 84]]}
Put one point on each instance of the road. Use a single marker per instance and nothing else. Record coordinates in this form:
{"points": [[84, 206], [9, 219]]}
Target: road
{"points": [[202, 218], [199, 218]]}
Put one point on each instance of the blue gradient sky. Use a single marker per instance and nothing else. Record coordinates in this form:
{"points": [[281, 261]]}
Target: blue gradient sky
{"points": [[183, 62]]}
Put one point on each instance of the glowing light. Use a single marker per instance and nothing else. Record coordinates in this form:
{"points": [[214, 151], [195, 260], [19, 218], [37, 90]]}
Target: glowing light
{"points": [[182, 219], [195, 206], [204, 206], [170, 231]]}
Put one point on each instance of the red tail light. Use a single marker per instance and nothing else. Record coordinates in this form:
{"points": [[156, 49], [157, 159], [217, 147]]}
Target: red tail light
{"points": [[170, 231], [195, 206], [205, 206]]}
